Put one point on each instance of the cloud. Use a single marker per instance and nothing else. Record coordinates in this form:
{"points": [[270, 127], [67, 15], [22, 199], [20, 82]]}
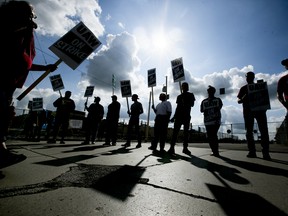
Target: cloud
{"points": [[55, 18], [121, 25], [118, 57]]}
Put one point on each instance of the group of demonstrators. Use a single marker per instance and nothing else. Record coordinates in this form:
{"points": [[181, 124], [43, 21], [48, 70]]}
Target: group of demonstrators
{"points": [[18, 52]]}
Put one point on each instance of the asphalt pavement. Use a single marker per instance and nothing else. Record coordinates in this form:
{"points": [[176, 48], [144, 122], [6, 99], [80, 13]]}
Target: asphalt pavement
{"points": [[74, 179]]}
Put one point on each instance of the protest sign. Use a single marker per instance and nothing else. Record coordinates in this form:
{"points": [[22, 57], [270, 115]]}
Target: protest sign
{"points": [[73, 48], [258, 96], [126, 88], [56, 82], [152, 77], [89, 91], [178, 70], [76, 45], [37, 104]]}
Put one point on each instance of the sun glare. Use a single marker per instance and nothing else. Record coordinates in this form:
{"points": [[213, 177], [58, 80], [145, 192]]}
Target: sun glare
{"points": [[159, 42]]}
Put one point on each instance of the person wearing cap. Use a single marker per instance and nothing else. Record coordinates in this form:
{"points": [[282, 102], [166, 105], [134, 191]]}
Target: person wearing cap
{"points": [[112, 119], [93, 120], [163, 112], [182, 117], [249, 116], [211, 108], [135, 111], [65, 105]]}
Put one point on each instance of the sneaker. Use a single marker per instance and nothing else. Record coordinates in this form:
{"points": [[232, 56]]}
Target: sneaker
{"points": [[138, 145], [186, 151], [251, 155]]}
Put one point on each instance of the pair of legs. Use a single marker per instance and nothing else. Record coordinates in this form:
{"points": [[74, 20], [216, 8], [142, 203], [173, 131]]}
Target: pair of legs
{"points": [[133, 122], [111, 131], [91, 130], [62, 122], [212, 131], [261, 119], [160, 132], [177, 125], [5, 114]]}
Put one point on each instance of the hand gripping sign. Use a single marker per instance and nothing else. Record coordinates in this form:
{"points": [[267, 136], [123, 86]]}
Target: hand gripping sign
{"points": [[73, 48], [88, 93]]}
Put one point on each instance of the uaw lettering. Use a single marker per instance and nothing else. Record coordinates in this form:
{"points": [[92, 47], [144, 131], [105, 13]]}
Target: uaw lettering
{"points": [[75, 46], [258, 96]]}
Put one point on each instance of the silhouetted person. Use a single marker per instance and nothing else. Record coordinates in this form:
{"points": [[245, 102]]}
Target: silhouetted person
{"points": [[211, 108], [93, 120], [163, 112], [16, 60], [249, 116], [282, 92], [112, 119], [282, 88], [135, 111], [65, 105], [40, 121], [182, 117]]}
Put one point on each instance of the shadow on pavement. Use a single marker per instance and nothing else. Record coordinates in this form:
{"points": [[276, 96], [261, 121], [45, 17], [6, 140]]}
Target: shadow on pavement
{"points": [[257, 167], [121, 150], [225, 172], [115, 181], [120, 183], [64, 161], [236, 202]]}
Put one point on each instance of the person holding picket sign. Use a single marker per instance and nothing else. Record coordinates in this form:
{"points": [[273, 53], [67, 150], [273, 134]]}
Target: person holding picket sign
{"points": [[163, 112], [249, 115], [185, 101], [17, 54], [93, 120], [134, 113], [211, 107], [65, 105]]}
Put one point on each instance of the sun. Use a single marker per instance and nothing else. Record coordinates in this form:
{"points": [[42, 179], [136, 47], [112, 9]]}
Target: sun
{"points": [[160, 42]]}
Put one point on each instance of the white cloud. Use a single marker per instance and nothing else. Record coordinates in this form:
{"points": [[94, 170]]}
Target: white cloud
{"points": [[121, 25], [57, 17]]}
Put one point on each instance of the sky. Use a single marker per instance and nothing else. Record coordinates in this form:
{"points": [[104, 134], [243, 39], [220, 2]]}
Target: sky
{"points": [[219, 41]]}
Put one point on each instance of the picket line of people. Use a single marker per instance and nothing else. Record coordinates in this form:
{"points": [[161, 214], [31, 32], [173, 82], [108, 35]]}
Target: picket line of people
{"points": [[18, 52]]}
